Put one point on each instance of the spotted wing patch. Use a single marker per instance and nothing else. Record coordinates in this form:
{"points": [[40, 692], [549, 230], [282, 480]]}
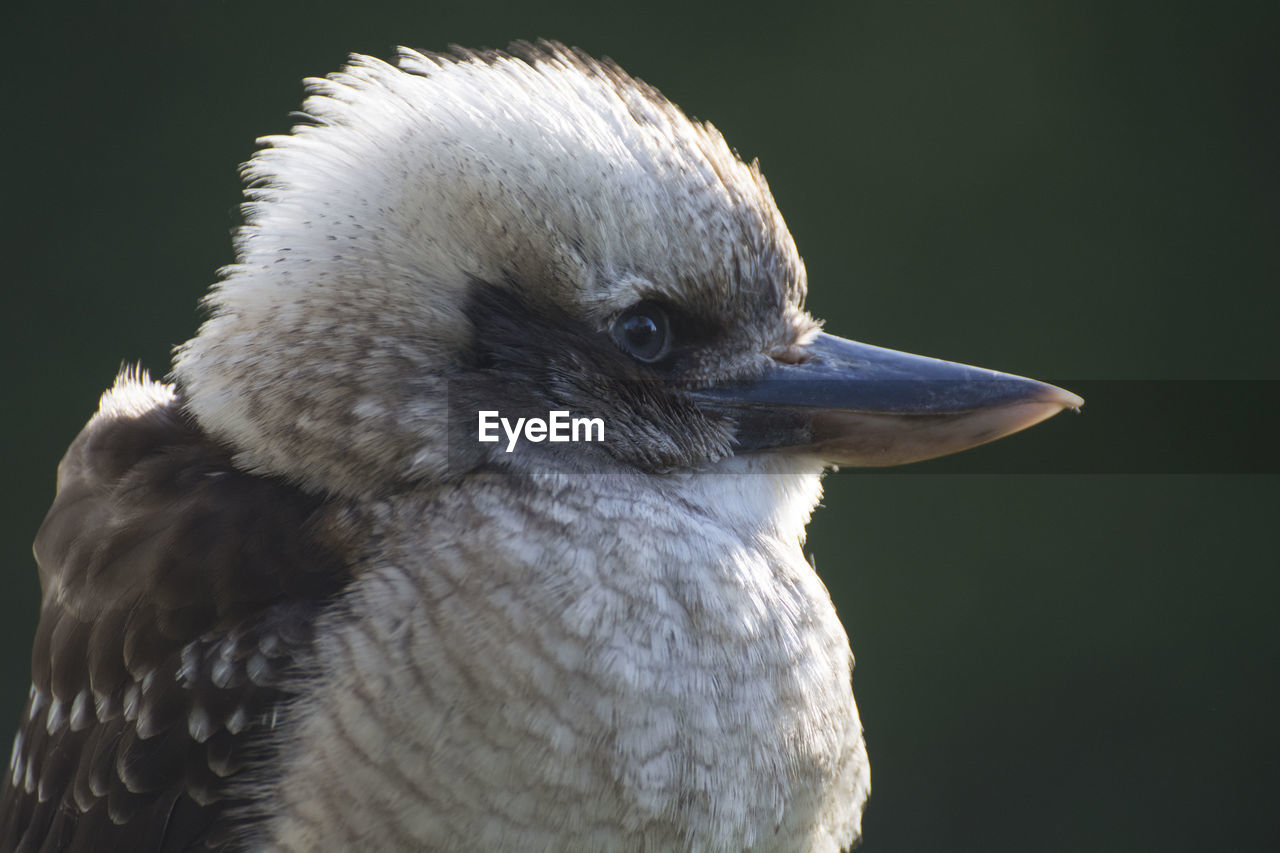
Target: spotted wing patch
{"points": [[180, 596]]}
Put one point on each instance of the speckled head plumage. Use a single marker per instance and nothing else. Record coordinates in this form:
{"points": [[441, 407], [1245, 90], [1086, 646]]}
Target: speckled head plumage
{"points": [[543, 174]]}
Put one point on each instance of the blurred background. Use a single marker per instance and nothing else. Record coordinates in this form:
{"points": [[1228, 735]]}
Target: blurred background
{"points": [[1067, 641]]}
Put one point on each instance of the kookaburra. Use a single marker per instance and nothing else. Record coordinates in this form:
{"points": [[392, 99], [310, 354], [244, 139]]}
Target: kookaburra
{"points": [[292, 601]]}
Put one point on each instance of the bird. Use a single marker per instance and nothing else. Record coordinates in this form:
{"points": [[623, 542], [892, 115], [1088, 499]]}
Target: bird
{"points": [[294, 598]]}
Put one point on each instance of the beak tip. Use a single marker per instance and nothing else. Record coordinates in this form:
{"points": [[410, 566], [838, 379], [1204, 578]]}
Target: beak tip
{"points": [[1063, 398]]}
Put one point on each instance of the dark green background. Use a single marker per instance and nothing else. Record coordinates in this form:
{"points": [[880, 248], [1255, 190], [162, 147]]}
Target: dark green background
{"points": [[1083, 659]]}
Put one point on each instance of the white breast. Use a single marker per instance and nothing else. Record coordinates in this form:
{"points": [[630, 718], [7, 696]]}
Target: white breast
{"points": [[591, 667]]}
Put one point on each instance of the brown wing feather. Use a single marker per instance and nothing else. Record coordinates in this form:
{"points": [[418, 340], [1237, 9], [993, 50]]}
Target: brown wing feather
{"points": [[178, 595]]}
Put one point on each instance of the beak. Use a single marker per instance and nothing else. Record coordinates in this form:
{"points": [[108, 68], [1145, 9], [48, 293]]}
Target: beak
{"points": [[855, 404]]}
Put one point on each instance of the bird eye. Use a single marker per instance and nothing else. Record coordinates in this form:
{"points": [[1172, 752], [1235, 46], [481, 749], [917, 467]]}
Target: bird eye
{"points": [[644, 331]]}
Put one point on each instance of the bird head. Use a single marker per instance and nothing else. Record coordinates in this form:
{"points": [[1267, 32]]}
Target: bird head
{"points": [[535, 231]]}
